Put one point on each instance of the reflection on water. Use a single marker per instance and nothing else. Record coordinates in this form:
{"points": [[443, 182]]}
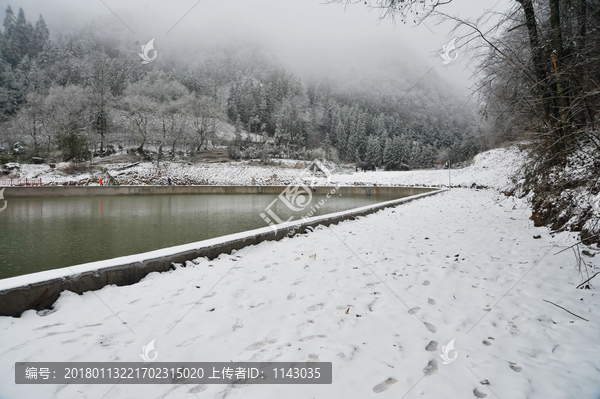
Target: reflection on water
{"points": [[46, 233]]}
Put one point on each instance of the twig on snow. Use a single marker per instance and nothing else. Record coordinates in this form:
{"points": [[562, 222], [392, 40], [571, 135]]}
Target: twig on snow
{"points": [[565, 310], [588, 279]]}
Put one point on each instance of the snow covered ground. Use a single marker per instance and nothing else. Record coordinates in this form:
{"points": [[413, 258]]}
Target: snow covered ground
{"points": [[490, 169], [378, 297]]}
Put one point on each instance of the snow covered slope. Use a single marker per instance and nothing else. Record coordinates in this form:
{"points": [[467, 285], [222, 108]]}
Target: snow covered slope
{"points": [[492, 169]]}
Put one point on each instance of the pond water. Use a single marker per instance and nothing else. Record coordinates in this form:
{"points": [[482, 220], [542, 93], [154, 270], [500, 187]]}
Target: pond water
{"points": [[39, 234]]}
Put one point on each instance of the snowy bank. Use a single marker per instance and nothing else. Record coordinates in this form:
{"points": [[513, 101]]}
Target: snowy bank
{"points": [[489, 169]]}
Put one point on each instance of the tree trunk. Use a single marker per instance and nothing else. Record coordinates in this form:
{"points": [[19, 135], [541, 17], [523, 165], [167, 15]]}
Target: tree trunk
{"points": [[582, 76], [35, 133], [559, 85], [547, 92], [536, 50]]}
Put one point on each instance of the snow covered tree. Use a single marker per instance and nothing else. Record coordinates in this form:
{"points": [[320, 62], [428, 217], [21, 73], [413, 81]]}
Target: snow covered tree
{"points": [[140, 109], [98, 78], [373, 157], [204, 120], [66, 109], [41, 37]]}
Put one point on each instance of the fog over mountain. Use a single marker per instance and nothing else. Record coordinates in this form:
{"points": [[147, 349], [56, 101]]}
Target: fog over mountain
{"points": [[308, 79], [308, 36]]}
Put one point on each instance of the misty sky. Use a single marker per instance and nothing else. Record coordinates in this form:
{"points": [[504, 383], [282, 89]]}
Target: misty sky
{"points": [[308, 36]]}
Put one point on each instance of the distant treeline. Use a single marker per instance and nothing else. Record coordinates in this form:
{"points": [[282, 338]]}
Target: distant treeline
{"points": [[76, 93]]}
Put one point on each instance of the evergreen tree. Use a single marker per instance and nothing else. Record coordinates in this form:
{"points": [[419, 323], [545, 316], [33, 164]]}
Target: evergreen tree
{"points": [[21, 37], [379, 129], [12, 91], [341, 138], [388, 155], [7, 41], [373, 156], [327, 146], [41, 36]]}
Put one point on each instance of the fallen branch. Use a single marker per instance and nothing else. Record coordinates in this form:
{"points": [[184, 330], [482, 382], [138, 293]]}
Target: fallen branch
{"points": [[565, 310], [588, 280]]}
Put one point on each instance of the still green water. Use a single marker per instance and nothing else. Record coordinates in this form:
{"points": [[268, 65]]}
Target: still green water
{"points": [[39, 234]]}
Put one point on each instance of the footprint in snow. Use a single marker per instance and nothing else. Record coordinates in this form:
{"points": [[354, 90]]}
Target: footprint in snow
{"points": [[162, 304], [261, 344], [431, 301], [304, 326], [48, 326], [515, 368], [385, 385], [479, 394], [313, 357], [312, 337], [271, 339], [70, 341], [147, 316], [431, 368], [188, 342], [239, 323], [291, 295], [432, 346], [431, 327], [263, 278], [426, 282], [316, 307], [414, 310], [198, 388], [488, 342]]}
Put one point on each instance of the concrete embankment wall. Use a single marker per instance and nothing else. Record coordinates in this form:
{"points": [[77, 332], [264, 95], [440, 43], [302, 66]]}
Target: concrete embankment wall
{"points": [[99, 191], [40, 290]]}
